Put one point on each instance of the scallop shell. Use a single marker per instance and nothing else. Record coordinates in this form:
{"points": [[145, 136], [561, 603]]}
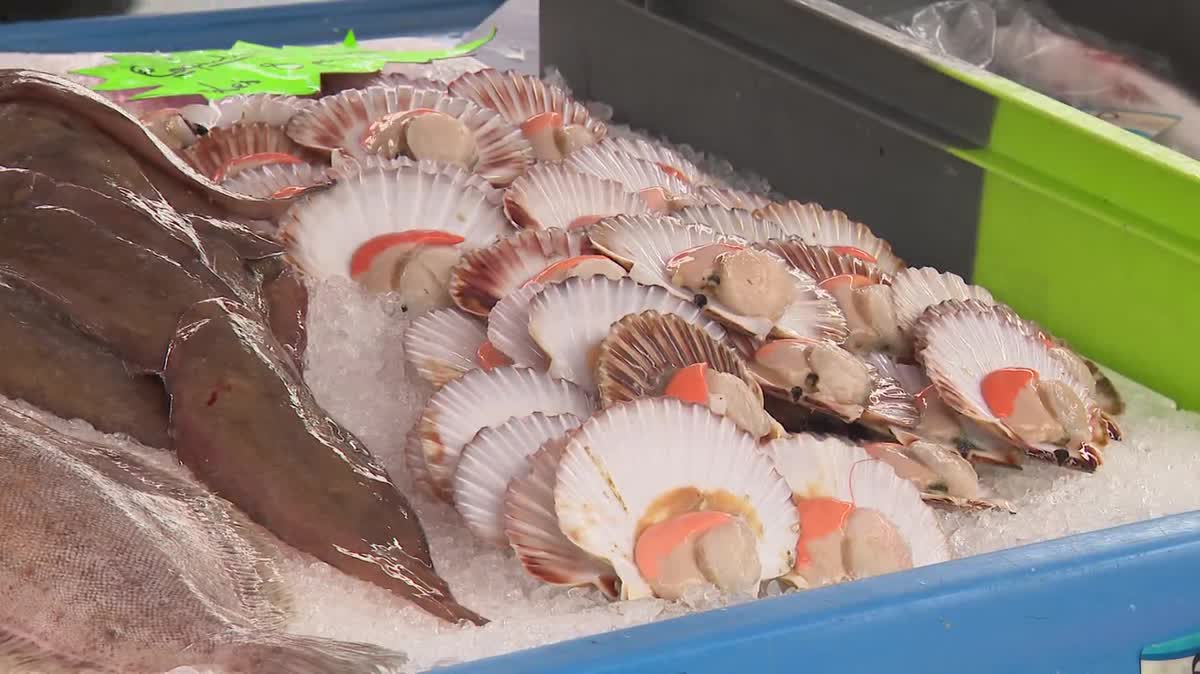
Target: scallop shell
{"points": [[815, 225], [647, 243], [831, 468], [444, 344], [822, 263], [550, 195], [340, 123], [915, 290], [271, 109], [627, 457], [665, 158], [218, 147], [941, 497], [732, 222], [635, 174], [518, 97], [731, 198], [508, 328], [492, 459], [484, 276], [531, 525], [277, 181], [569, 320], [414, 460], [641, 348], [960, 342], [482, 399], [911, 378], [323, 231]]}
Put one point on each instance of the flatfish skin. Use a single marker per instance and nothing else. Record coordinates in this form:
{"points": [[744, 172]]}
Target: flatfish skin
{"points": [[114, 563], [239, 413], [48, 363]]}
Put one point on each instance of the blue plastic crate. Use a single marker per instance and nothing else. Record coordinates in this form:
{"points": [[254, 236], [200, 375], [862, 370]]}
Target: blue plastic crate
{"points": [[1085, 604]]}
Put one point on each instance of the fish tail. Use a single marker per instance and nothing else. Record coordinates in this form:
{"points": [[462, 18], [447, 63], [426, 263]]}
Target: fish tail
{"points": [[288, 654]]}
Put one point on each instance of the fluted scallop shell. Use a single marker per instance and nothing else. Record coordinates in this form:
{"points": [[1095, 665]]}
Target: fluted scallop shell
{"points": [[642, 348], [218, 147], [731, 198], [960, 342], [323, 231], [272, 109], [443, 344], [492, 459], [911, 378], [635, 174], [569, 320], [822, 263], [276, 181], [482, 399], [508, 328], [340, 123], [734, 222], [531, 525], [646, 243], [486, 275], [915, 290], [933, 494], [551, 195], [627, 457], [816, 225], [831, 468], [518, 97], [665, 158]]}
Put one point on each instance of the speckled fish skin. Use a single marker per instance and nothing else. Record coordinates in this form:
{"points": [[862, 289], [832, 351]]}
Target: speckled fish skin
{"points": [[48, 363], [116, 563], [245, 425]]}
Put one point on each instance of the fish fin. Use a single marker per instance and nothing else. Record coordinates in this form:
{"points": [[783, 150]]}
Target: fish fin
{"points": [[21, 655], [273, 653]]}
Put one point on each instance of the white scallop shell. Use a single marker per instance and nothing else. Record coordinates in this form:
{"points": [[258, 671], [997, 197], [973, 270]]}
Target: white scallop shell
{"points": [[492, 459], [271, 109], [666, 158], [647, 243], [265, 182], [832, 468], [569, 320], [323, 231], [910, 377], [518, 97], [218, 147], [915, 290], [533, 532], [340, 122], [484, 276], [735, 222], [959, 343], [822, 263], [551, 195], [443, 344], [414, 460], [508, 328], [627, 456], [635, 174], [731, 198], [485, 398], [815, 225]]}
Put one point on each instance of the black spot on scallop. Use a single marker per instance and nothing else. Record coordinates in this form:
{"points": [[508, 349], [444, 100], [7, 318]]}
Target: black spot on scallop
{"points": [[700, 299], [1062, 456], [810, 382]]}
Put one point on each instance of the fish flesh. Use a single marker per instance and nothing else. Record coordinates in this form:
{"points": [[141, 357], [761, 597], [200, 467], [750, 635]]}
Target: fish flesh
{"points": [[248, 428], [48, 363], [286, 300], [114, 562]]}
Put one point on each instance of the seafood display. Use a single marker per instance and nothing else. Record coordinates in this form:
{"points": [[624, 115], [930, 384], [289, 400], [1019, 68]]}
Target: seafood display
{"points": [[644, 380]]}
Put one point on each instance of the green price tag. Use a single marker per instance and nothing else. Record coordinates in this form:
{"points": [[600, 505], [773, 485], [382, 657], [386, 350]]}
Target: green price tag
{"points": [[248, 68]]}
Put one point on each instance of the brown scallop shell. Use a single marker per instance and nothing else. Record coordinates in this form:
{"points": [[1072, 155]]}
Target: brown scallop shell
{"points": [[223, 144], [816, 225], [483, 276]]}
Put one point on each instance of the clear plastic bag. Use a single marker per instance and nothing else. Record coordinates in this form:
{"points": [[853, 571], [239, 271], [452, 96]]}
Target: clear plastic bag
{"points": [[1028, 44]]}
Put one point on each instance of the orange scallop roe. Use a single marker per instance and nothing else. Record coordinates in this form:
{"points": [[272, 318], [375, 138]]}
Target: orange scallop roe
{"points": [[1000, 388], [361, 261], [854, 252], [658, 540], [656, 198], [672, 171], [562, 266], [489, 357], [852, 280], [584, 221], [689, 384], [541, 122], [250, 161], [819, 517], [287, 191]]}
